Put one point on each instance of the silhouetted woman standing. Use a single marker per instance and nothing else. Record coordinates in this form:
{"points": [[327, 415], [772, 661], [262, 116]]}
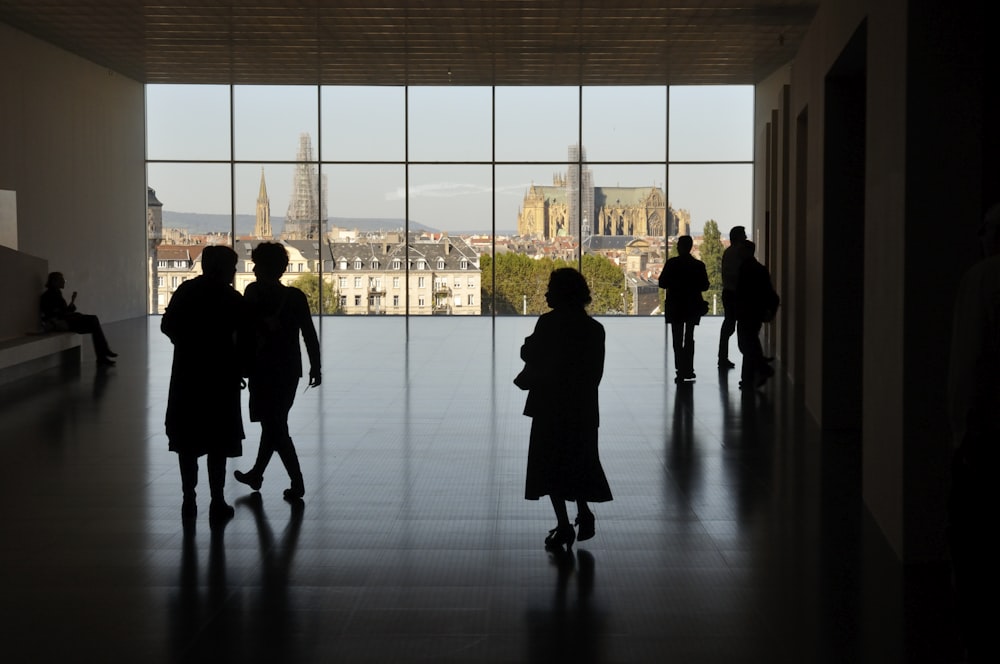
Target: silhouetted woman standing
{"points": [[203, 406], [277, 315], [564, 362]]}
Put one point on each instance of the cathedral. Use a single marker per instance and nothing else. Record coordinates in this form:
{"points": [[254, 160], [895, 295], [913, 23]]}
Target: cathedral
{"points": [[617, 211]]}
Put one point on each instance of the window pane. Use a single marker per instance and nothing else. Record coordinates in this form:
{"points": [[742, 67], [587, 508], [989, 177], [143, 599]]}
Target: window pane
{"points": [[720, 192], [187, 122], [450, 124], [711, 123], [536, 124], [364, 124], [456, 199], [625, 123], [196, 211], [533, 238], [372, 195], [717, 195], [367, 217], [271, 119], [624, 253], [262, 195]]}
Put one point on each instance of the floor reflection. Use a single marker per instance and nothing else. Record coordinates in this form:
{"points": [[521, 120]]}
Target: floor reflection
{"points": [[737, 533]]}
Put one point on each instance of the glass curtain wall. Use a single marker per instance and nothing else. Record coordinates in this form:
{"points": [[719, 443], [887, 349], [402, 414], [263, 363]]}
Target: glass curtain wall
{"points": [[444, 200]]}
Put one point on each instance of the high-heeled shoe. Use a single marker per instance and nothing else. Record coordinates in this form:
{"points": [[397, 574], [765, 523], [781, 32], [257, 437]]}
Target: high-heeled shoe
{"points": [[585, 523], [563, 534]]}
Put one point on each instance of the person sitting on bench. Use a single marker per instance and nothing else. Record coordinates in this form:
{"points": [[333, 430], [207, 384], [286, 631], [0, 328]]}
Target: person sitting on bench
{"points": [[58, 316]]}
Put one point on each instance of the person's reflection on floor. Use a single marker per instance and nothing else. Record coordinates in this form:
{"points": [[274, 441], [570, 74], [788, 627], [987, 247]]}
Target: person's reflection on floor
{"points": [[273, 634], [186, 610], [572, 629], [681, 442], [683, 419], [199, 625]]}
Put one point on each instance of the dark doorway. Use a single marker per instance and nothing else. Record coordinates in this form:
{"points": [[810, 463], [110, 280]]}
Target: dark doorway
{"points": [[843, 235]]}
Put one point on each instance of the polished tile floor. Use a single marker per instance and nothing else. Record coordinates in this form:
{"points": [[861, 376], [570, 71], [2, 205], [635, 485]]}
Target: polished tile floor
{"points": [[737, 533]]}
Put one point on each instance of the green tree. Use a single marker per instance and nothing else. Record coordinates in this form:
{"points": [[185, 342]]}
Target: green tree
{"points": [[309, 284], [521, 282], [517, 276], [711, 254], [607, 285]]}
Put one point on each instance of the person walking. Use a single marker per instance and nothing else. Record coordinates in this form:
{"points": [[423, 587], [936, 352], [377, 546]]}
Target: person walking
{"points": [[564, 363], [684, 279], [277, 315], [756, 303], [204, 417], [731, 260]]}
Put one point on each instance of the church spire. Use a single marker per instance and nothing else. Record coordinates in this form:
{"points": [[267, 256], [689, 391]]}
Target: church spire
{"points": [[262, 229]]}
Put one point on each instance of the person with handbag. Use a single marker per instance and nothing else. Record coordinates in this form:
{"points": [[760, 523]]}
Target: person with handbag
{"points": [[564, 363], [684, 278]]}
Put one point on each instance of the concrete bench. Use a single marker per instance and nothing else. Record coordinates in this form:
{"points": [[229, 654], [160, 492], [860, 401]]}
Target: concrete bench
{"points": [[33, 353]]}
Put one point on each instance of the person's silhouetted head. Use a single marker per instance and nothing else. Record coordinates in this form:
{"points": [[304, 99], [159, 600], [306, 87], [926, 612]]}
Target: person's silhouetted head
{"points": [[684, 245], [219, 262], [747, 248], [567, 288], [989, 231], [737, 234], [55, 280], [270, 260]]}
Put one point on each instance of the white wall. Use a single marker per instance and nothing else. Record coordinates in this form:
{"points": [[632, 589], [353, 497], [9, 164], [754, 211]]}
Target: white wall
{"points": [[72, 148]]}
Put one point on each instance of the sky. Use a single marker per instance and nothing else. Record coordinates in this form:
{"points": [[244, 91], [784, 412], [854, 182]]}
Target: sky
{"points": [[361, 136]]}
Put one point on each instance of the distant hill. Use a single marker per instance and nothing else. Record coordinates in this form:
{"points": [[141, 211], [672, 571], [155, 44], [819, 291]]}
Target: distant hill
{"points": [[198, 224]]}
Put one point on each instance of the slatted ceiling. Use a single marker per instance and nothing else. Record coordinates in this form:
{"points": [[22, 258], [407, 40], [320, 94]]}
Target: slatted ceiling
{"points": [[418, 42]]}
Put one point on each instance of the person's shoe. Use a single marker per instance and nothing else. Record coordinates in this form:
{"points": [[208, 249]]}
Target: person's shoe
{"points": [[561, 535], [189, 510], [105, 361], [111, 353], [251, 479], [726, 364], [295, 492], [220, 510], [585, 526]]}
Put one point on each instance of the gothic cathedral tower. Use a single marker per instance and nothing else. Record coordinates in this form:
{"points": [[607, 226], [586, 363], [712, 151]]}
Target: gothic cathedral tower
{"points": [[307, 207], [262, 229]]}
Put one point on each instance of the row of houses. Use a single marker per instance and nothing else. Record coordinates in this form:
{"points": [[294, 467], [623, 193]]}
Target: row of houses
{"points": [[430, 274]]}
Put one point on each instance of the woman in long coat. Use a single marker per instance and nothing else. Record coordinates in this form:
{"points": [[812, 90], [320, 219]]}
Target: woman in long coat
{"points": [[203, 405], [564, 362]]}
